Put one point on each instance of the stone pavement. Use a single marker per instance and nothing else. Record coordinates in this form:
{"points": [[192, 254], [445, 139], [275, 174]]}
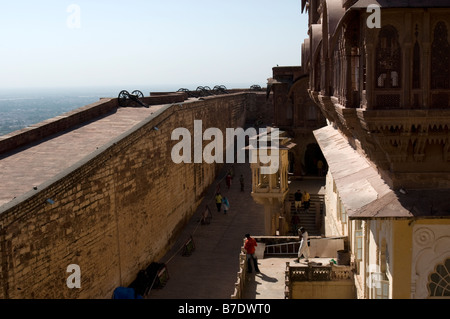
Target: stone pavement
{"points": [[36, 163], [269, 282], [210, 272]]}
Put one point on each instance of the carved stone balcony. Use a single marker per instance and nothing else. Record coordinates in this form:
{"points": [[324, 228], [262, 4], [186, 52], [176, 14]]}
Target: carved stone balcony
{"points": [[403, 135], [319, 273], [327, 276], [410, 146]]}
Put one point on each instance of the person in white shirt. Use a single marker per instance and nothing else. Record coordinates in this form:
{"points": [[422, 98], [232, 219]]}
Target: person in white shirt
{"points": [[303, 250]]}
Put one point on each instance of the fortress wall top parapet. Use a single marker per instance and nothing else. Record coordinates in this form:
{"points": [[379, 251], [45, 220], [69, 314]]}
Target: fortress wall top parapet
{"points": [[41, 130]]}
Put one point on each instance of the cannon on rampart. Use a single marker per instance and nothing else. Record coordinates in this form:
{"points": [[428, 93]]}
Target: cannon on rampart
{"points": [[127, 99]]}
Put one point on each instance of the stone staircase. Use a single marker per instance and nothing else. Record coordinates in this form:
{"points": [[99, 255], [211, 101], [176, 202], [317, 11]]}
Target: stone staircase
{"points": [[311, 220]]}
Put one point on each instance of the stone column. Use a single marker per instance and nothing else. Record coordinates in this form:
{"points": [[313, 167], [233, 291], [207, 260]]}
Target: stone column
{"points": [[370, 74], [426, 59], [406, 80]]}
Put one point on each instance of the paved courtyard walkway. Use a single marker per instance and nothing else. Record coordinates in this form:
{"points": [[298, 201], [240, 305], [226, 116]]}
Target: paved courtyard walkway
{"points": [[210, 272]]}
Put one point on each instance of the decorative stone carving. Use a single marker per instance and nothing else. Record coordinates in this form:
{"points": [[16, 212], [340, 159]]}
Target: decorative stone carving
{"points": [[431, 247], [388, 57], [424, 236]]}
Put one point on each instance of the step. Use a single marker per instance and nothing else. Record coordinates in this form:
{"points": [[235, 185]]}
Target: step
{"points": [[308, 220]]}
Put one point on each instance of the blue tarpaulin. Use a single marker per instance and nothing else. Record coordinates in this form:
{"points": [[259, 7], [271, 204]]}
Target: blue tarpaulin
{"points": [[125, 293]]}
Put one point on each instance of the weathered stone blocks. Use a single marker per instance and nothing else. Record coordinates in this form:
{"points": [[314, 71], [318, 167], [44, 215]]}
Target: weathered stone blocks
{"points": [[113, 214]]}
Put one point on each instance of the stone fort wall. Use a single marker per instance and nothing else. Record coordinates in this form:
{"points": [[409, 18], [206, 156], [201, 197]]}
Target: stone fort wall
{"points": [[115, 212], [73, 118]]}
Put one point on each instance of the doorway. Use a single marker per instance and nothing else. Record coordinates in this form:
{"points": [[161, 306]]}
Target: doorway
{"points": [[313, 154]]}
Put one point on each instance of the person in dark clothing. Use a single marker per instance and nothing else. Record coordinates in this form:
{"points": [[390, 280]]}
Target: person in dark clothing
{"points": [[306, 201], [298, 200], [228, 179]]}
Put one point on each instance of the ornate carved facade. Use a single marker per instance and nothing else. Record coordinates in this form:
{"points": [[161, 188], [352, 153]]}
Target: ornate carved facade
{"points": [[385, 90]]}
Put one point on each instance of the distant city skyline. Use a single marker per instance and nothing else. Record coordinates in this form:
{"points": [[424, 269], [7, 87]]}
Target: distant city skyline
{"points": [[56, 43]]}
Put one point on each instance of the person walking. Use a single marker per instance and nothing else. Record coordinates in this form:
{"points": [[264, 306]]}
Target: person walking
{"points": [[303, 250], [228, 180], [306, 198], [250, 249], [226, 205], [241, 180], [298, 200], [206, 216], [320, 168], [218, 201]]}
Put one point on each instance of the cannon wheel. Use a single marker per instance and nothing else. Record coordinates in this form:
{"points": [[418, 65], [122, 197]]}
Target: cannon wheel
{"points": [[123, 98], [220, 89], [138, 94]]}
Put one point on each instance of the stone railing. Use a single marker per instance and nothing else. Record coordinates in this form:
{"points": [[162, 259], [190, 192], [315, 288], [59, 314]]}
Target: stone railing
{"points": [[241, 277], [319, 247], [314, 272], [242, 272]]}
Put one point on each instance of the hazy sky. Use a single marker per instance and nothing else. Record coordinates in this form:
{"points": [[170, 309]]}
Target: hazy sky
{"points": [[57, 43]]}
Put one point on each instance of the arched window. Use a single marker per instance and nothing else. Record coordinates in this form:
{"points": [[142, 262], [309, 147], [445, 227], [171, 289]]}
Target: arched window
{"points": [[439, 281], [440, 51], [388, 59]]}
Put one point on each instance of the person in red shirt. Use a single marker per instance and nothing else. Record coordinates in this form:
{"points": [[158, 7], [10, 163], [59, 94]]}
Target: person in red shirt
{"points": [[250, 248], [229, 178]]}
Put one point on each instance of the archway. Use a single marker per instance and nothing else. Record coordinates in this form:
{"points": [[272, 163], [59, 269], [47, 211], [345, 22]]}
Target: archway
{"points": [[313, 154], [291, 158]]}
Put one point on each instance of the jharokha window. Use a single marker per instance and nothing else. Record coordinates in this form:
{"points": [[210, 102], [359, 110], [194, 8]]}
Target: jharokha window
{"points": [[440, 51], [388, 59]]}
